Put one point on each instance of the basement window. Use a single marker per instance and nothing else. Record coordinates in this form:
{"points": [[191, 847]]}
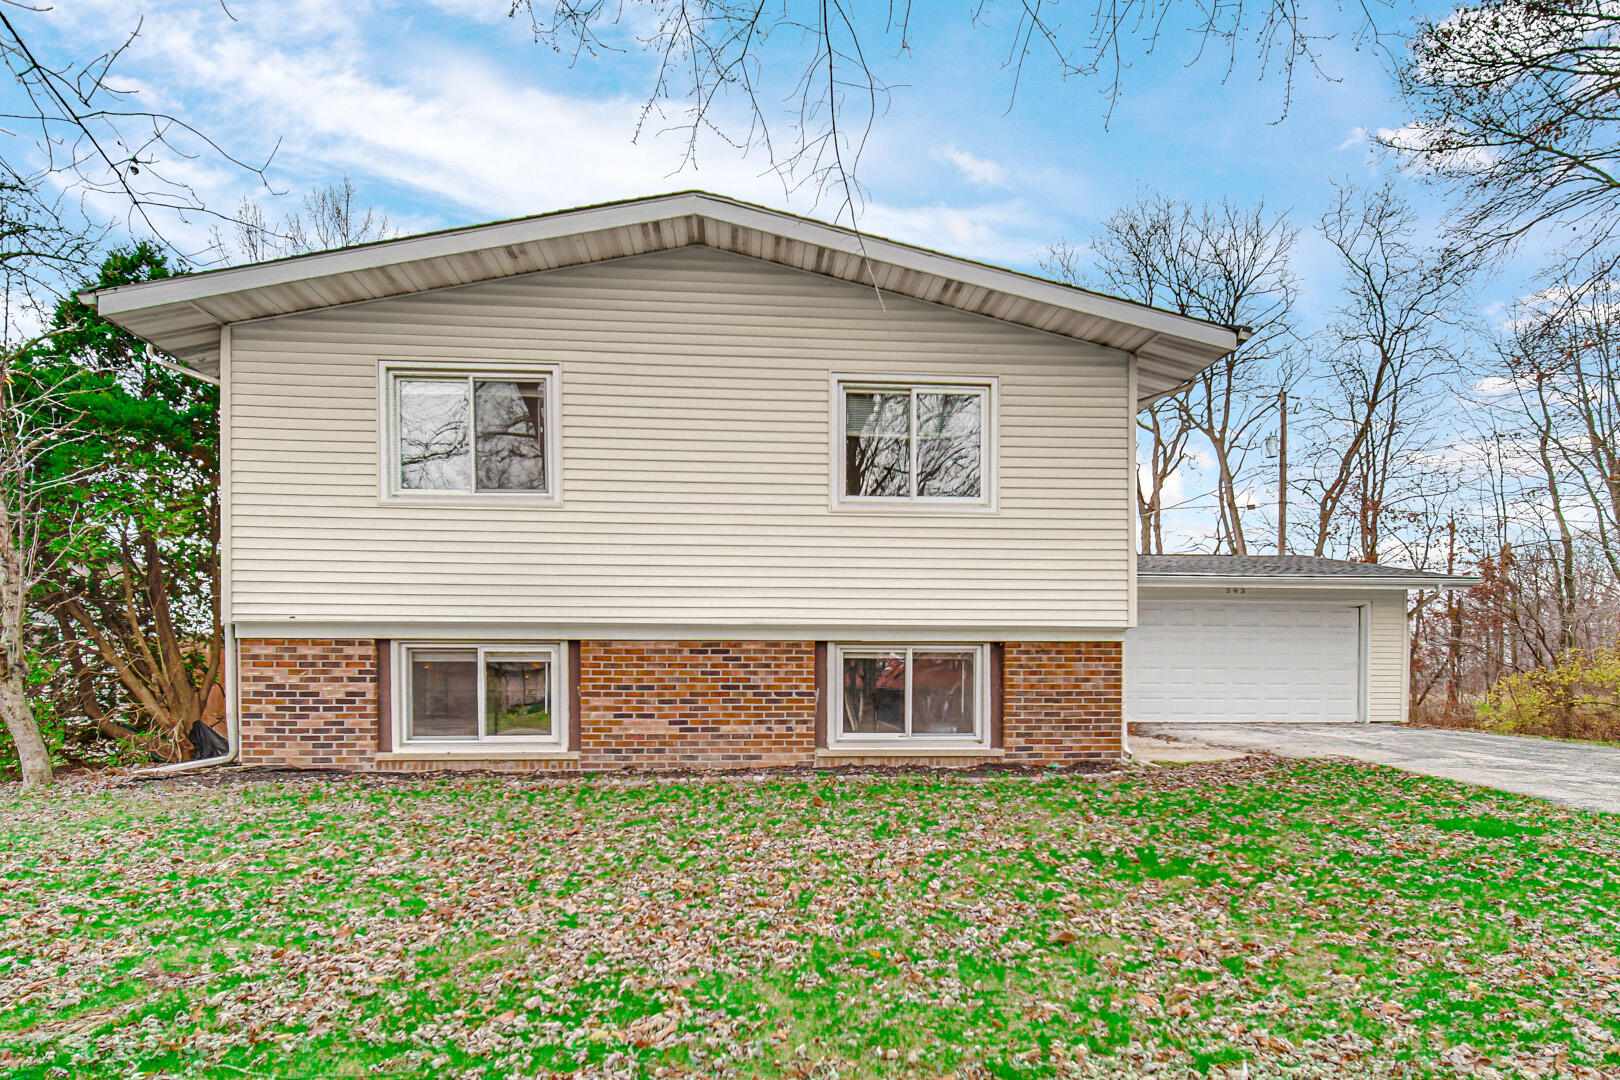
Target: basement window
{"points": [[903, 696], [451, 431], [500, 693]]}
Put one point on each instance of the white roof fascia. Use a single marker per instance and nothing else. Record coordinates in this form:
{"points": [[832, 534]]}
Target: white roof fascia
{"points": [[195, 287], [1325, 581], [186, 287]]}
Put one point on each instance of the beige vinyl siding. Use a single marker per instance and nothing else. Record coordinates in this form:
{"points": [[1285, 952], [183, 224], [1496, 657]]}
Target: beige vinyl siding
{"points": [[695, 405], [1388, 657], [1387, 635]]}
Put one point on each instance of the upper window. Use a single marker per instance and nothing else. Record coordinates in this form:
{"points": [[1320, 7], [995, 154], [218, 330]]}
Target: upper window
{"points": [[453, 432], [915, 444], [927, 693], [478, 693]]}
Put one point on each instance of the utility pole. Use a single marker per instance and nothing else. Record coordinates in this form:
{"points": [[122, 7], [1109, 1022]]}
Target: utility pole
{"points": [[1454, 630], [1282, 471]]}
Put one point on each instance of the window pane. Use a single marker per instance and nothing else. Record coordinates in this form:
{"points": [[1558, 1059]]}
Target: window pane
{"points": [[943, 698], [877, 443], [444, 694], [517, 696], [432, 424], [874, 695], [510, 417], [949, 440]]}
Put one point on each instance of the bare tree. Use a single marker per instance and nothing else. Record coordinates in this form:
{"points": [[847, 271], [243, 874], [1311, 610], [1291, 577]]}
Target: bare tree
{"points": [[74, 132], [1562, 357], [77, 127], [331, 217], [1225, 263], [1382, 367], [1514, 106], [1559, 362], [723, 65], [37, 412]]}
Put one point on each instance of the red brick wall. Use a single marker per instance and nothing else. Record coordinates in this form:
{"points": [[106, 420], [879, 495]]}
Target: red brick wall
{"points": [[308, 703], [696, 704], [1063, 701], [671, 704]]}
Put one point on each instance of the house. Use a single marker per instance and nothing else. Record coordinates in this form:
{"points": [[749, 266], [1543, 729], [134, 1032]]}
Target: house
{"points": [[682, 482]]}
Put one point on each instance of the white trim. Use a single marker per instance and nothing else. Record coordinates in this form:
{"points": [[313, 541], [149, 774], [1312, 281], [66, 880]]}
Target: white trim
{"points": [[902, 745], [389, 371], [191, 287], [487, 629], [226, 493], [1326, 581], [1364, 648], [486, 753], [1408, 632], [1133, 542], [988, 387], [987, 753], [556, 654]]}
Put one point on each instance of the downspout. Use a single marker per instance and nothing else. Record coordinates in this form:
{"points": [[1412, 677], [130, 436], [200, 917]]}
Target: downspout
{"points": [[233, 718], [233, 723]]}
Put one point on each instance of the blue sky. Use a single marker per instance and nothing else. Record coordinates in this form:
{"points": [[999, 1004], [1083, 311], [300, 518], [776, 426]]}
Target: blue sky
{"points": [[447, 112]]}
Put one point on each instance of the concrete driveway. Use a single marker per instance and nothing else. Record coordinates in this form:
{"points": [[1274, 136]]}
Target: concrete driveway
{"points": [[1574, 774]]}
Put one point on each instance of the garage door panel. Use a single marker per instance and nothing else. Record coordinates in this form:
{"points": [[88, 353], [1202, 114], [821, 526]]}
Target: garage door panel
{"points": [[1236, 662]]}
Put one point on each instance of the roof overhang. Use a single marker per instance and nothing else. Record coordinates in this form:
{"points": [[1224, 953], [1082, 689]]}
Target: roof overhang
{"points": [[1341, 582], [183, 315]]}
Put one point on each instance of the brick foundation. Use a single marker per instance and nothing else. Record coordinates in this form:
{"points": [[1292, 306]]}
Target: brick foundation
{"points": [[311, 704], [1063, 702], [669, 704], [693, 704]]}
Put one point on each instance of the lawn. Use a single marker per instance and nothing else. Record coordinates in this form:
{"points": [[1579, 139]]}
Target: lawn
{"points": [[1293, 919]]}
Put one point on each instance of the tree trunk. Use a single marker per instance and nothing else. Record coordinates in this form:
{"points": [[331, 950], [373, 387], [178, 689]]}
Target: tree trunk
{"points": [[15, 711], [24, 730]]}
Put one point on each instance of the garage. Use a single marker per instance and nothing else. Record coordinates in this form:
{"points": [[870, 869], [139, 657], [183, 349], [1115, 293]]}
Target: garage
{"points": [[1240, 639], [1234, 661]]}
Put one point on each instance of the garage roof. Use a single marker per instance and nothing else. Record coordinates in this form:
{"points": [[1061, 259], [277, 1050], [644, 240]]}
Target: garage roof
{"points": [[1289, 570], [183, 315]]}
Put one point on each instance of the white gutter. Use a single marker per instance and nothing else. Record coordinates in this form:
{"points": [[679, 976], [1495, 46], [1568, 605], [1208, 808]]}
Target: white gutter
{"points": [[1330, 581], [1243, 334], [180, 369]]}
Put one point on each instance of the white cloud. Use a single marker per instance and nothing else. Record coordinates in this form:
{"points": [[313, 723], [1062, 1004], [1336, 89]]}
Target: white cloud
{"points": [[1357, 139], [1495, 386], [463, 133], [976, 170], [1414, 143]]}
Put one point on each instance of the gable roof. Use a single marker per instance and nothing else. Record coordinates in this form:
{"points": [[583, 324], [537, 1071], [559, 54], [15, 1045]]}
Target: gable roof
{"points": [[183, 315], [1291, 569]]}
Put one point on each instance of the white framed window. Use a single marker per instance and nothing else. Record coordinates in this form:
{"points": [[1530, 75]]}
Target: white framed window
{"points": [[914, 444], [899, 696], [456, 694], [463, 431]]}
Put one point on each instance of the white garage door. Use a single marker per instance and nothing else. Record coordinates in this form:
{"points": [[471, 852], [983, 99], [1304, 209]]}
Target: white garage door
{"points": [[1217, 661]]}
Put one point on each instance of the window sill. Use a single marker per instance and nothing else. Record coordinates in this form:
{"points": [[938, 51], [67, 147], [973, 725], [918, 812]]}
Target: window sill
{"points": [[843, 753], [492, 753], [533, 502], [913, 508]]}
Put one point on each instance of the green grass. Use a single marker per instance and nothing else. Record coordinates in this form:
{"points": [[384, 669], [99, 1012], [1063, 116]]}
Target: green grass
{"points": [[1294, 919]]}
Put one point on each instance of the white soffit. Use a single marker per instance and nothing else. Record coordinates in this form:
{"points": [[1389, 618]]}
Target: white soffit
{"points": [[183, 315]]}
